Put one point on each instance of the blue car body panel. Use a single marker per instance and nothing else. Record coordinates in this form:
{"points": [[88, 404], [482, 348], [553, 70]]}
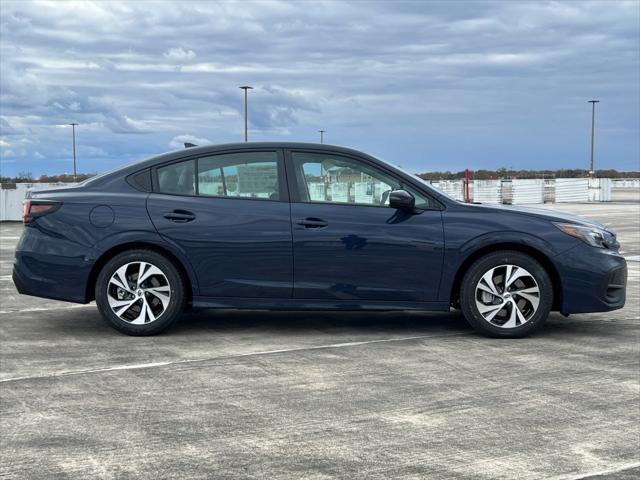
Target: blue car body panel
{"points": [[239, 248], [367, 253], [244, 253]]}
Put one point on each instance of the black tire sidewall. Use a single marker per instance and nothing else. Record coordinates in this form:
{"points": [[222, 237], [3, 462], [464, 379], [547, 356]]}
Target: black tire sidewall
{"points": [[484, 264], [176, 303]]}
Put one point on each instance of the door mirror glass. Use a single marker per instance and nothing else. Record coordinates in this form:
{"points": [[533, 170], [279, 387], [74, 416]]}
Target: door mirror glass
{"points": [[401, 199]]}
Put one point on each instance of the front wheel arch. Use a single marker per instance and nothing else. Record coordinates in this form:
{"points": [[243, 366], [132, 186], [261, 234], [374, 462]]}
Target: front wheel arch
{"points": [[107, 255], [532, 252]]}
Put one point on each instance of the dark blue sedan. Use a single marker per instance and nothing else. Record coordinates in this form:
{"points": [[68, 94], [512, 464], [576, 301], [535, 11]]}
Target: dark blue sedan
{"points": [[305, 227]]}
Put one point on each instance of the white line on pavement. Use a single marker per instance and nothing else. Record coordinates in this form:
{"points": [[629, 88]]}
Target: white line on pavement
{"points": [[224, 357], [609, 471], [46, 309]]}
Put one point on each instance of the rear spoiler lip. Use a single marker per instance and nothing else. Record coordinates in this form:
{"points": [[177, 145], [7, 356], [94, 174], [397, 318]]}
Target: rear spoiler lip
{"points": [[53, 190]]}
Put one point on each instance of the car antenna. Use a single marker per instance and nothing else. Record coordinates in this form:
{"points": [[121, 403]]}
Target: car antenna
{"points": [[189, 145]]}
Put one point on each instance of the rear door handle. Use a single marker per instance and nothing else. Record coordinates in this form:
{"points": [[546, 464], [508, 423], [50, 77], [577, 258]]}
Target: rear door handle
{"points": [[180, 216], [312, 223]]}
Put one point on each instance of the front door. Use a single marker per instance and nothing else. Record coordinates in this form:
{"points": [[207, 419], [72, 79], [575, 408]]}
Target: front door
{"points": [[229, 213], [348, 244]]}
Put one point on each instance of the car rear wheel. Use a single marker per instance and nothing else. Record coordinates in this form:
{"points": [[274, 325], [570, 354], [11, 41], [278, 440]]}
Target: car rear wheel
{"points": [[506, 294], [140, 292]]}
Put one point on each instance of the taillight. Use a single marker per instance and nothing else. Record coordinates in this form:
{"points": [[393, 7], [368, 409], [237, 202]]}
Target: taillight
{"points": [[33, 209]]}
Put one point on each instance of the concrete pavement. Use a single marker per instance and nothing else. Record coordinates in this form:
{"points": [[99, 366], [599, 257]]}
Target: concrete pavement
{"points": [[319, 395]]}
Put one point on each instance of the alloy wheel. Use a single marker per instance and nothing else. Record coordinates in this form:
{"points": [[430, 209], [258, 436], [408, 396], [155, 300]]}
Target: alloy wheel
{"points": [[507, 296], [138, 293]]}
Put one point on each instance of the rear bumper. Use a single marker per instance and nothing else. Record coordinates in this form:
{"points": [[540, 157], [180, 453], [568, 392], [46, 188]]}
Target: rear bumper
{"points": [[593, 280], [58, 270]]}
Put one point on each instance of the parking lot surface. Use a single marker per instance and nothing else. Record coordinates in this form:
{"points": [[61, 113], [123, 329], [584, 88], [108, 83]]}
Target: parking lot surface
{"points": [[319, 395]]}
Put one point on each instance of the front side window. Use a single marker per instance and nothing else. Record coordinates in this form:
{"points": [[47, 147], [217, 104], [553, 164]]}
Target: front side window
{"points": [[328, 178], [336, 179], [239, 175]]}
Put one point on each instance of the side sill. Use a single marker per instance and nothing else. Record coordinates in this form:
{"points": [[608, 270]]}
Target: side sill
{"points": [[238, 303]]}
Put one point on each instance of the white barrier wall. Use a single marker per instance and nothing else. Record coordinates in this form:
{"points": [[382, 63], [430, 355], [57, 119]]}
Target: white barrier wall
{"points": [[11, 198], [532, 191], [453, 188], [625, 182], [527, 191], [571, 190], [600, 189], [487, 191]]}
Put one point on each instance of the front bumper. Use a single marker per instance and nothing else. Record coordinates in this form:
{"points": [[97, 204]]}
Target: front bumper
{"points": [[593, 279]]}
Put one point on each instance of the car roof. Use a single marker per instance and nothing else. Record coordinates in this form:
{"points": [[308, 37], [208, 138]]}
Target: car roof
{"points": [[212, 149], [215, 148]]}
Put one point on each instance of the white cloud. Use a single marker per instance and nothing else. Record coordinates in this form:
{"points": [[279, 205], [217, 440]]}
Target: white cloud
{"points": [[179, 53], [436, 83]]}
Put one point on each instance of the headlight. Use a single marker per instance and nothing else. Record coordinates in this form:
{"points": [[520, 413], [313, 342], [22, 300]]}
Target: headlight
{"points": [[596, 237]]}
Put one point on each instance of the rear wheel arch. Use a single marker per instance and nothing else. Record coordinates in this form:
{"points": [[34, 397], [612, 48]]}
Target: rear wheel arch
{"points": [[115, 250], [534, 253]]}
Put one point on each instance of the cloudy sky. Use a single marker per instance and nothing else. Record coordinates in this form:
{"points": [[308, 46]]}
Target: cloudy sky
{"points": [[426, 85]]}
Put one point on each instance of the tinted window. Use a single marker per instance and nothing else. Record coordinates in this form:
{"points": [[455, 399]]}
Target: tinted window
{"points": [[239, 175], [141, 180], [178, 178], [337, 179]]}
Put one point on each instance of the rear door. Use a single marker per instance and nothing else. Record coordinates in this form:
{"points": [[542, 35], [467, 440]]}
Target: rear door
{"points": [[229, 213], [348, 244]]}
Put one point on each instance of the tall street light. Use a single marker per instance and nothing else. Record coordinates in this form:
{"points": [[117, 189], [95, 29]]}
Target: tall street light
{"points": [[73, 132], [322, 135], [593, 128], [245, 88]]}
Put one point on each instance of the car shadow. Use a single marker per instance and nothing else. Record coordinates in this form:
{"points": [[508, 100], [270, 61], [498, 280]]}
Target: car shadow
{"points": [[367, 322], [85, 323]]}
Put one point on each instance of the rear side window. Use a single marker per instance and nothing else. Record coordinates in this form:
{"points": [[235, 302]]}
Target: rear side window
{"points": [[178, 178], [251, 175], [239, 175]]}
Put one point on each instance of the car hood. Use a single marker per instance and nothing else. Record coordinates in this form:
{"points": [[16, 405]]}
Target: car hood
{"points": [[547, 214]]}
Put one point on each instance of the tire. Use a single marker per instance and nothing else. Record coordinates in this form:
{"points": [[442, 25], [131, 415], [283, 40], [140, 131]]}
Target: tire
{"points": [[516, 312], [144, 309]]}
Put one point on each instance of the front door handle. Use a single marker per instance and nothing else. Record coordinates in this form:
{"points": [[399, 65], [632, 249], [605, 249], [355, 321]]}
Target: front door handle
{"points": [[180, 216], [312, 223]]}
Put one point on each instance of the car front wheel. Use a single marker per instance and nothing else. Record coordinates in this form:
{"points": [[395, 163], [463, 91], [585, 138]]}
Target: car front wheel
{"points": [[140, 292], [506, 294]]}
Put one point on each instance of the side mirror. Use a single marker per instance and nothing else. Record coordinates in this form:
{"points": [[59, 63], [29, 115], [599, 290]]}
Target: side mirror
{"points": [[401, 199]]}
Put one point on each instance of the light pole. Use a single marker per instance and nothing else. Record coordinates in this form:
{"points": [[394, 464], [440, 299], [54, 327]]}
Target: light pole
{"points": [[73, 133], [245, 88], [322, 135], [592, 172]]}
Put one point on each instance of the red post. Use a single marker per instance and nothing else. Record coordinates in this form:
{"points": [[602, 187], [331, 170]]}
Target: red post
{"points": [[467, 185]]}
